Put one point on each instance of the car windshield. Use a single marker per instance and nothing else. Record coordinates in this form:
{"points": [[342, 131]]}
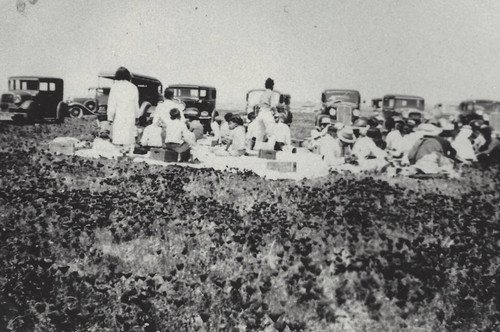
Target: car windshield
{"points": [[186, 92], [24, 85], [345, 96], [254, 97], [400, 103]]}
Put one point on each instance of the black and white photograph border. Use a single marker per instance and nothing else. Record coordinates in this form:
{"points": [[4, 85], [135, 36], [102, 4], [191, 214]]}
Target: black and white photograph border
{"points": [[222, 165]]}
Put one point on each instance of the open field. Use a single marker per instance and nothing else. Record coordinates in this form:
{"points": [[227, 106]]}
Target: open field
{"points": [[106, 245]]}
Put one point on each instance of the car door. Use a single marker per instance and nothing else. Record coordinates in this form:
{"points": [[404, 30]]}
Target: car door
{"points": [[48, 98]]}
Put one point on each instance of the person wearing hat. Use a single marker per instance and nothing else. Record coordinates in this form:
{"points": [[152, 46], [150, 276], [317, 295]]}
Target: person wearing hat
{"points": [[312, 143], [194, 123], [431, 153], [281, 135], [236, 143]]}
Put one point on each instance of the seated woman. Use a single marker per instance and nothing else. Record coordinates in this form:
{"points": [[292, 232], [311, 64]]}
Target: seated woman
{"points": [[178, 138], [236, 141]]}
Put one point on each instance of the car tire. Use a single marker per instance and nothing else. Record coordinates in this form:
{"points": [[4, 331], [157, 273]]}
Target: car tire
{"points": [[75, 112], [91, 105]]}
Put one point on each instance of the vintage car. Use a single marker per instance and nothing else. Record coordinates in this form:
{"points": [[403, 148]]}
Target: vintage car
{"points": [[408, 107], [282, 100], [33, 99], [150, 93], [340, 105], [477, 109], [197, 98]]}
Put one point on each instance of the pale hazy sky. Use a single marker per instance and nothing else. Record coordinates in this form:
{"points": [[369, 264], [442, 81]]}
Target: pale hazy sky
{"points": [[445, 50]]}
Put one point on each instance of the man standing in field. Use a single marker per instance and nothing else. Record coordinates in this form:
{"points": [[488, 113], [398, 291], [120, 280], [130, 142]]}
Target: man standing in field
{"points": [[265, 119]]}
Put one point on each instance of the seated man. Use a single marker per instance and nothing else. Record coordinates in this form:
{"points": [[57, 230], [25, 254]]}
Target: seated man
{"points": [[281, 135], [312, 142]]}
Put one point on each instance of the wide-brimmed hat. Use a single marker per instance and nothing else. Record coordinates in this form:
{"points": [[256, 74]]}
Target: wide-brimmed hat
{"points": [[429, 129], [325, 120], [346, 135], [104, 133]]}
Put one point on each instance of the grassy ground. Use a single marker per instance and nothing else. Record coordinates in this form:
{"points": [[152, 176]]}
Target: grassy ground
{"points": [[105, 245]]}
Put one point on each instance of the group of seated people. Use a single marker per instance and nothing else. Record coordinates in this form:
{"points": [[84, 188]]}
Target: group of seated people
{"points": [[431, 147]]}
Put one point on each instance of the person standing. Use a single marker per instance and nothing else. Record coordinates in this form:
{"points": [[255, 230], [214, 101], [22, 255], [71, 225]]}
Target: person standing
{"points": [[123, 109], [265, 118]]}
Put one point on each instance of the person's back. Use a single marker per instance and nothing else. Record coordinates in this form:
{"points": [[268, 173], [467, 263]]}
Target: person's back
{"points": [[425, 146], [196, 128]]}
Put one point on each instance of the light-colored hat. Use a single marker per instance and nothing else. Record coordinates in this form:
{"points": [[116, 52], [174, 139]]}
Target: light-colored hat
{"points": [[346, 135], [429, 129], [325, 120], [339, 125]]}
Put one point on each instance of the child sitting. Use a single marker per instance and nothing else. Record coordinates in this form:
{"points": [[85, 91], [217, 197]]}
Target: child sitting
{"points": [[152, 136]]}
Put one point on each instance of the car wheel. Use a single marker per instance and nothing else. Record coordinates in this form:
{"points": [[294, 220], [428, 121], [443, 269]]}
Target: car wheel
{"points": [[91, 105], [75, 112]]}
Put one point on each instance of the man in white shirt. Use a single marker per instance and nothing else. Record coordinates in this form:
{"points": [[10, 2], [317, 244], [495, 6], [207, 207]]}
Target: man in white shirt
{"points": [[265, 119], [162, 113], [281, 133]]}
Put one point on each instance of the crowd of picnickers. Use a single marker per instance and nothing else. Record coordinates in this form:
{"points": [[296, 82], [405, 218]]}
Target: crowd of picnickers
{"points": [[428, 147]]}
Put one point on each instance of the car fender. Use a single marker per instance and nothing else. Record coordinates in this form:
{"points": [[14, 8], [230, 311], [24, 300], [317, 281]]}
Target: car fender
{"points": [[86, 111], [28, 105], [144, 108], [62, 110]]}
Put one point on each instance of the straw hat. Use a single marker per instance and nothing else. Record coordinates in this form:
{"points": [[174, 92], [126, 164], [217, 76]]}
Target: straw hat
{"points": [[346, 135], [429, 129]]}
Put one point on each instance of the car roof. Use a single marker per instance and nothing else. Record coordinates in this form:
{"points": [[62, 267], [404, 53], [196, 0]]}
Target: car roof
{"points": [[402, 96], [479, 101], [35, 78], [190, 86], [341, 90], [133, 75]]}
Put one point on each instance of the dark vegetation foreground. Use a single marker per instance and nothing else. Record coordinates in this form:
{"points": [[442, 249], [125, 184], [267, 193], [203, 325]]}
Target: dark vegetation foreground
{"points": [[103, 245]]}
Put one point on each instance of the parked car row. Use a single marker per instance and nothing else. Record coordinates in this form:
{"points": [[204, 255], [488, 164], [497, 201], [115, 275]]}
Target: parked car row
{"points": [[34, 98]]}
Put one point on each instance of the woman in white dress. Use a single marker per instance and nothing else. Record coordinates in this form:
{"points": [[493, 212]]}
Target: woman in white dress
{"points": [[123, 109]]}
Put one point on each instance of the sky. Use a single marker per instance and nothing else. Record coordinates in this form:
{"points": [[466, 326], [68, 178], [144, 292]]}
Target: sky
{"points": [[445, 51]]}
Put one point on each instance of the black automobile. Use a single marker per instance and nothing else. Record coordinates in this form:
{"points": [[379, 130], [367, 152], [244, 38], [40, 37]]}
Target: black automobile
{"points": [[33, 99], [197, 98], [406, 106], [340, 105]]}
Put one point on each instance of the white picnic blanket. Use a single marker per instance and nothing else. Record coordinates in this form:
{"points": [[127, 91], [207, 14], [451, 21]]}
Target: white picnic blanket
{"points": [[309, 165]]}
